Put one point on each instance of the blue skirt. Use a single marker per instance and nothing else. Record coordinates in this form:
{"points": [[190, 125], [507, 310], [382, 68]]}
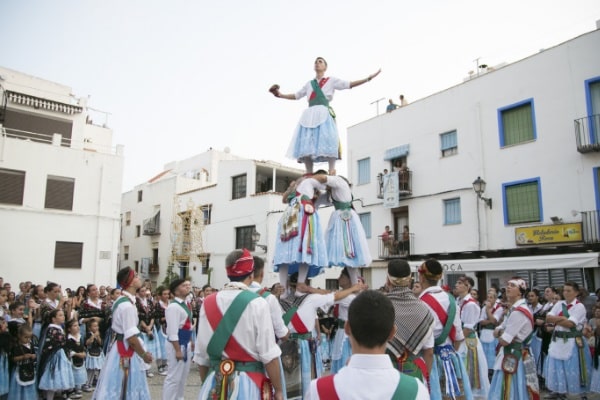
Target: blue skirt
{"points": [[58, 374], [4, 374], [93, 362], [437, 370], [305, 364], [153, 346], [19, 391], [562, 376], [295, 251], [325, 348], [595, 385], [161, 344], [490, 352], [346, 240], [242, 387], [536, 349], [79, 375], [344, 353], [110, 381], [320, 143], [518, 386]]}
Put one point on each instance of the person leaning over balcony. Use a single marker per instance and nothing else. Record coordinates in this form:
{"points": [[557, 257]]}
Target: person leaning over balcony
{"points": [[316, 138]]}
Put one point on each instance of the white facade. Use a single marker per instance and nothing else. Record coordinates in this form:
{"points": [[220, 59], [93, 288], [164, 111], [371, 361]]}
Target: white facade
{"points": [[206, 181], [46, 138], [561, 85]]}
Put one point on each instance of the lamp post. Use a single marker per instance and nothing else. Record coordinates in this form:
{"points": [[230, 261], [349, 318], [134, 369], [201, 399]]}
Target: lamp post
{"points": [[479, 188], [256, 238]]}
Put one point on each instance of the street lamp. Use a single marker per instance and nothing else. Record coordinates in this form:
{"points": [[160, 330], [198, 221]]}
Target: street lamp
{"points": [[479, 188], [256, 238]]}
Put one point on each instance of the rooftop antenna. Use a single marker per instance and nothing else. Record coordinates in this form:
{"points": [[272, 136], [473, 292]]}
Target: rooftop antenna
{"points": [[377, 103]]}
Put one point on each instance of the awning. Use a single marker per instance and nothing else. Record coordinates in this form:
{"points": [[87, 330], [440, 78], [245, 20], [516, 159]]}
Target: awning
{"points": [[555, 261], [396, 152]]}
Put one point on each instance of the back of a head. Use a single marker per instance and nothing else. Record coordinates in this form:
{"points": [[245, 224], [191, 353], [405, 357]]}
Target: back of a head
{"points": [[398, 268], [371, 318], [259, 266]]}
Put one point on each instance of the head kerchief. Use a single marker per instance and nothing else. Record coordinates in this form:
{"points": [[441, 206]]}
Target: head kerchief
{"points": [[242, 266]]}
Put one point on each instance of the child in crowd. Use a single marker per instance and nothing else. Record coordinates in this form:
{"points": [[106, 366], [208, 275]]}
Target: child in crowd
{"points": [[54, 366], [95, 357], [76, 352], [5, 343], [22, 382]]}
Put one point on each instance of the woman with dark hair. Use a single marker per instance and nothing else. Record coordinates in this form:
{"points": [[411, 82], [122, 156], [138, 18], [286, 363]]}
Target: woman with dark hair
{"points": [[316, 138], [91, 309], [543, 333], [511, 377], [38, 296], [568, 366], [54, 366], [79, 297]]}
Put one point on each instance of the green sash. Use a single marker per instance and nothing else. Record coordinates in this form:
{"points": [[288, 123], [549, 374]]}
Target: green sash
{"points": [[120, 300], [449, 322], [224, 330], [185, 308], [320, 99]]}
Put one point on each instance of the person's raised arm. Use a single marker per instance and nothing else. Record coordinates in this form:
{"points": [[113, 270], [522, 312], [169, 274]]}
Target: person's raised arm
{"points": [[367, 79], [275, 91]]}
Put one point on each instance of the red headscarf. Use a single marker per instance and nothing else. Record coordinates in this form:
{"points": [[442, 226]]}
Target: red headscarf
{"points": [[243, 265]]}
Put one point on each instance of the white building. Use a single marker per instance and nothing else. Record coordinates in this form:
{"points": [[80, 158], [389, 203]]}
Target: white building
{"points": [[198, 210], [60, 184], [531, 130]]}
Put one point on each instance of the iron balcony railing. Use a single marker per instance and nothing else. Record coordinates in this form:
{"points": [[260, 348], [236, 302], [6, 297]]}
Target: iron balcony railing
{"points": [[591, 226], [395, 246], [587, 134]]}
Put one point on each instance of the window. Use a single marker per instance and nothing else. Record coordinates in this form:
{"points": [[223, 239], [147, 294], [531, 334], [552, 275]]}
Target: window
{"points": [[128, 218], [243, 237], [332, 284], [12, 186], [452, 211], [205, 260], [238, 187], [517, 123], [449, 144], [126, 253], [68, 255], [522, 201], [364, 171], [136, 266], [365, 220], [138, 230], [59, 193], [140, 195], [206, 211]]}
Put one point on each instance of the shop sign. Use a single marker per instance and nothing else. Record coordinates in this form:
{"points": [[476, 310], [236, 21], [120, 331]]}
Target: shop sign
{"points": [[548, 234]]}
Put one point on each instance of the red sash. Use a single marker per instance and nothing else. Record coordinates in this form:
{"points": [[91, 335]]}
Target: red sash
{"points": [[527, 313], [471, 300], [326, 388], [440, 312], [322, 83], [233, 350], [560, 314]]}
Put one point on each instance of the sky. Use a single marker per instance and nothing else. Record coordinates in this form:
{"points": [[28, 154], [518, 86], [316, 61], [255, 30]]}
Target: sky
{"points": [[178, 77]]}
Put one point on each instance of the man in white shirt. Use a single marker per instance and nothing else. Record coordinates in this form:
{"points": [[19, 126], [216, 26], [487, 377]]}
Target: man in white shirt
{"points": [[179, 348], [370, 373]]}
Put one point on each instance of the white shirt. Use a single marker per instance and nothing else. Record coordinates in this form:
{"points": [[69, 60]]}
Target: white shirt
{"points": [[344, 306], [175, 317], [125, 318], [307, 187], [307, 311], [367, 376], [577, 314], [276, 311], [328, 88], [253, 331], [339, 188], [443, 299], [469, 312], [517, 326]]}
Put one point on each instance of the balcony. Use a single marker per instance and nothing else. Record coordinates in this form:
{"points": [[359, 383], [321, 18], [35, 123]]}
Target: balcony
{"points": [[152, 225], [395, 247], [154, 269], [394, 185], [587, 134]]}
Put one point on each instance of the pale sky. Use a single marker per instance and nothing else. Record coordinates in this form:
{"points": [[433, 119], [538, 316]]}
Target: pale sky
{"points": [[179, 77]]}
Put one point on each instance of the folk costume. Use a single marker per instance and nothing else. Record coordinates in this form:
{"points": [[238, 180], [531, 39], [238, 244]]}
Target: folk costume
{"points": [[345, 236], [341, 350], [448, 377], [54, 367], [486, 332], [23, 378], [316, 135], [5, 346], [367, 376], [123, 370], [472, 350], [73, 346], [300, 239], [94, 359], [300, 315], [514, 369], [414, 330], [235, 339], [179, 329], [540, 336], [161, 329], [145, 309], [568, 365]]}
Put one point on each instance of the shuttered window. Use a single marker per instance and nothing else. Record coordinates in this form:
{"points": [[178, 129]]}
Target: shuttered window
{"points": [[238, 187], [365, 220], [243, 237], [517, 124], [59, 193], [12, 186], [68, 255], [452, 214], [523, 202]]}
